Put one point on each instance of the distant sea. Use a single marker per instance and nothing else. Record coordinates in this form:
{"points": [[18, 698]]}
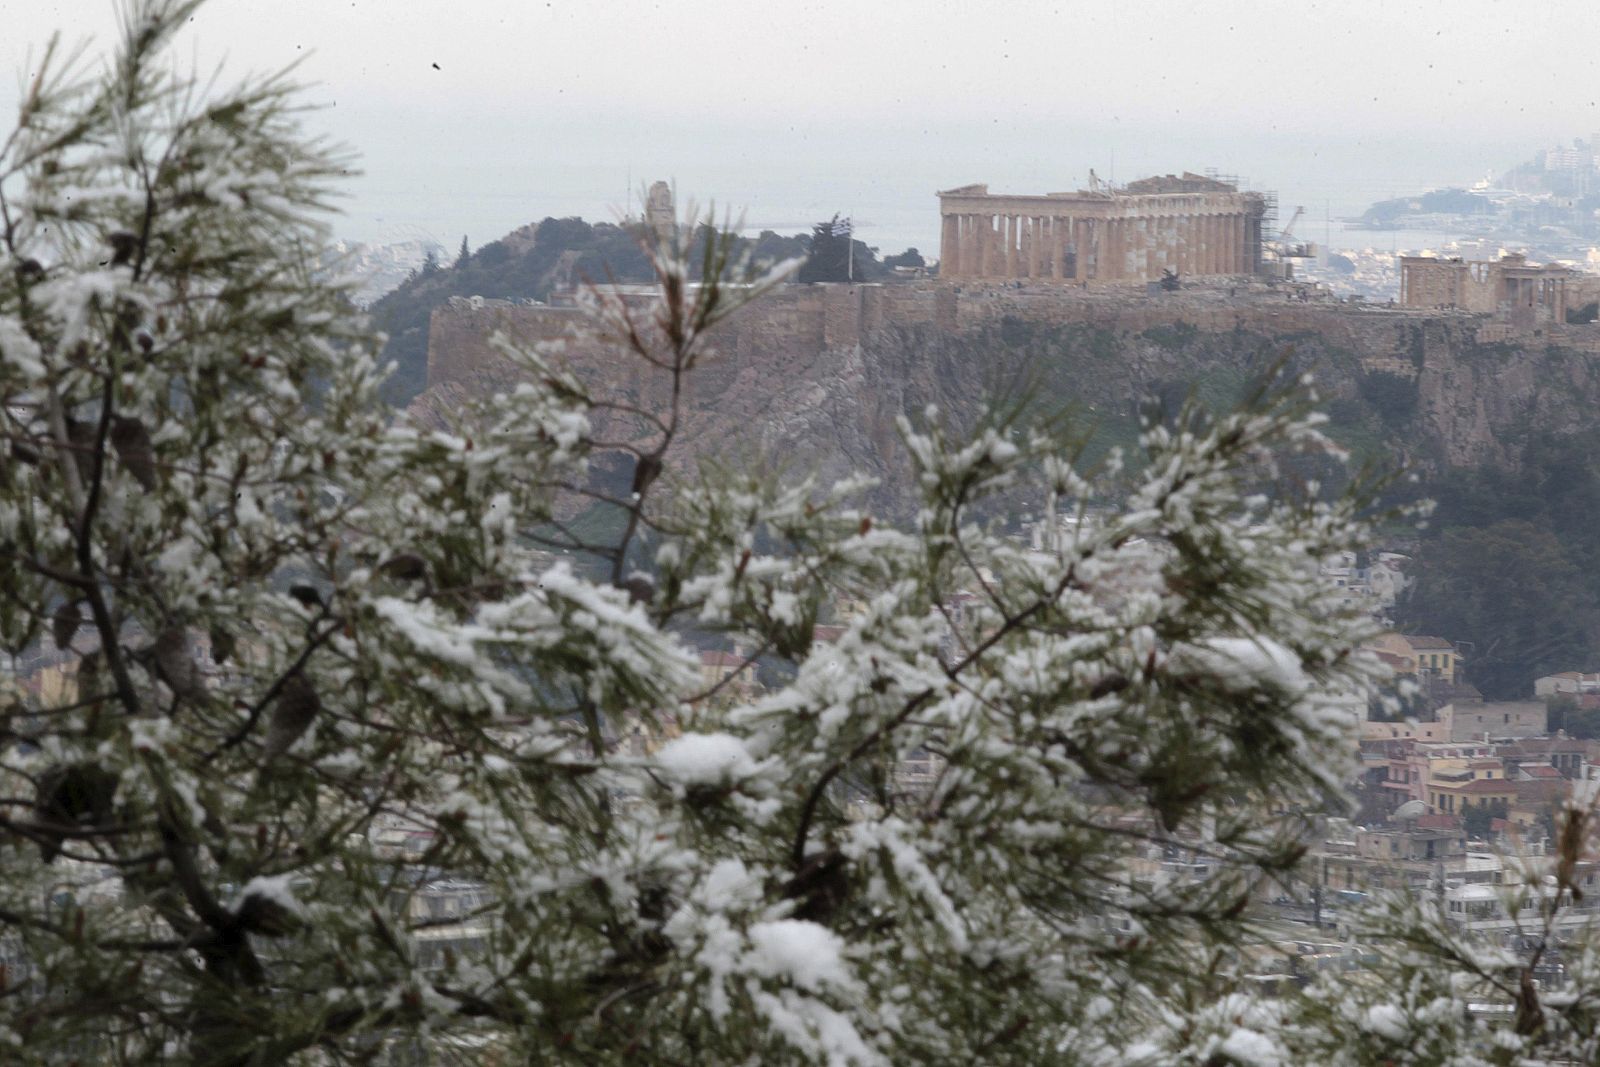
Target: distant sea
{"points": [[1341, 235]]}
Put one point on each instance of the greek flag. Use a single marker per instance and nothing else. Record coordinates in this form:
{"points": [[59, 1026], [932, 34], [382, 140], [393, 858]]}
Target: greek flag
{"points": [[841, 228]]}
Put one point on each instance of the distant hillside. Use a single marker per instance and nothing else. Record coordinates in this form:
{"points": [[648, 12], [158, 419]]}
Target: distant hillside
{"points": [[526, 264], [532, 262], [1438, 202]]}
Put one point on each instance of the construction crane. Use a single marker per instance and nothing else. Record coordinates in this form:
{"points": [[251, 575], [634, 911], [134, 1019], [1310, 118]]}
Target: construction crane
{"points": [[1284, 244], [1280, 250], [1289, 229]]}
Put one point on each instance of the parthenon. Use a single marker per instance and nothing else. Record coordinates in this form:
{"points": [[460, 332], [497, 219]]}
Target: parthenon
{"points": [[1190, 225]]}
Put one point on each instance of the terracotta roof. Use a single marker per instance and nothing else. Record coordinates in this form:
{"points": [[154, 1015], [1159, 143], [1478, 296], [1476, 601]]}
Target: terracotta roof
{"points": [[827, 633], [1540, 792], [1498, 786], [720, 659], [1541, 771], [1421, 641], [1438, 821]]}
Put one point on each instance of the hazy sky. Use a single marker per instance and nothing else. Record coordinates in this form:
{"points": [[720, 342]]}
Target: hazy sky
{"points": [[474, 116]]}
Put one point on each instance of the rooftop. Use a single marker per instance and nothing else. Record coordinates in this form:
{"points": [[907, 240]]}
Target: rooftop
{"points": [[1496, 786], [1422, 642]]}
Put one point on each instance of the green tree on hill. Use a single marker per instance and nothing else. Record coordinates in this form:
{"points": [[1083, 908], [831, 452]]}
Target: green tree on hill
{"points": [[909, 258], [836, 256], [1510, 591]]}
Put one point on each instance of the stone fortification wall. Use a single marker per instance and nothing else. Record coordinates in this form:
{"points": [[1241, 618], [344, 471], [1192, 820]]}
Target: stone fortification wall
{"points": [[820, 372], [798, 322], [460, 331], [795, 322]]}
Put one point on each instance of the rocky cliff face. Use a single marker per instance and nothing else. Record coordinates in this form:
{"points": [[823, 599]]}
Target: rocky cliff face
{"points": [[815, 377]]}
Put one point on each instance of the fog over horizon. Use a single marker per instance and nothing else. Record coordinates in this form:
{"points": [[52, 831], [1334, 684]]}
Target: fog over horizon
{"points": [[474, 118]]}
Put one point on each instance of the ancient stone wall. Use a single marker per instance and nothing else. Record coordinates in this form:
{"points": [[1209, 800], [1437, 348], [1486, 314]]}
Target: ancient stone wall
{"points": [[459, 334], [796, 323], [818, 374], [794, 320]]}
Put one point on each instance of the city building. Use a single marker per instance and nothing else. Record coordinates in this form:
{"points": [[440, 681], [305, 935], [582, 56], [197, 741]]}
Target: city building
{"points": [[1421, 656], [1506, 719]]}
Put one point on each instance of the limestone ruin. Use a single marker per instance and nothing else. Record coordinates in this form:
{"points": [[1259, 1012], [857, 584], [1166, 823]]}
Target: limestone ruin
{"points": [[1188, 225], [1523, 293]]}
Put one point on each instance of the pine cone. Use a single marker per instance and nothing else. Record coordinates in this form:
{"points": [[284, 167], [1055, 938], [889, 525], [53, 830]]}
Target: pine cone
{"points": [[134, 449], [69, 798], [296, 709], [64, 624], [176, 666]]}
